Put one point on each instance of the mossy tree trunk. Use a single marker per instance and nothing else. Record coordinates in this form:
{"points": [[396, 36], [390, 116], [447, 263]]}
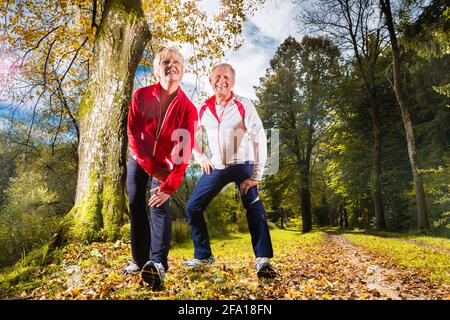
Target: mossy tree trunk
{"points": [[100, 203]]}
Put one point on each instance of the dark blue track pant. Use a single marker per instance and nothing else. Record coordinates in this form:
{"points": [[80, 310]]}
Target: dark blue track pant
{"points": [[150, 235], [206, 189]]}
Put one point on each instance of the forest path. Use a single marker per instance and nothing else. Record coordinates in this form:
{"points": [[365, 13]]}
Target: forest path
{"points": [[373, 273], [338, 269]]}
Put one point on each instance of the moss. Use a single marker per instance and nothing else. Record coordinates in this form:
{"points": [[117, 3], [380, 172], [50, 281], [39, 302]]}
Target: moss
{"points": [[100, 215], [125, 232], [15, 275], [113, 211], [89, 221], [130, 9], [85, 105], [88, 215]]}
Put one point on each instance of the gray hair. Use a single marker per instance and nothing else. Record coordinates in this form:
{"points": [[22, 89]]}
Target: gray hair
{"points": [[225, 65]]}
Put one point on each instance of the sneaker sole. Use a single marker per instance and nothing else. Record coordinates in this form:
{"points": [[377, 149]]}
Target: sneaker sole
{"points": [[266, 272], [197, 266], [151, 276]]}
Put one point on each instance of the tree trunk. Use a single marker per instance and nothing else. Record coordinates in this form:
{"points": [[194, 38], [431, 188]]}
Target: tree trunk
{"points": [[376, 166], [345, 218], [305, 196], [305, 173], [282, 219], [364, 214], [330, 212], [100, 203], [341, 216], [422, 211]]}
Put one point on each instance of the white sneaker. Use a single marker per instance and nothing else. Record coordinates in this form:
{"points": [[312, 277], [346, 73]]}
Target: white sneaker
{"points": [[199, 262], [132, 268]]}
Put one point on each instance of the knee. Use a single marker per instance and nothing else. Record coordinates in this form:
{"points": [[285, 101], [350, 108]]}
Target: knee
{"points": [[251, 199], [189, 210], [192, 208], [136, 200]]}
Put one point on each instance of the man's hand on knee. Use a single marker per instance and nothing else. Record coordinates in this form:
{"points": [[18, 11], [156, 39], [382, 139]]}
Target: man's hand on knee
{"points": [[246, 185], [158, 198]]}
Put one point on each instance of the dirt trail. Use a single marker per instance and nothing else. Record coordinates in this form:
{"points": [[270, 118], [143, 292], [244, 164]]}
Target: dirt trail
{"points": [[346, 271]]}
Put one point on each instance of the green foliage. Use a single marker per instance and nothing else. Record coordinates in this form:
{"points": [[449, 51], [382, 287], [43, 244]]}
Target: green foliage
{"points": [[181, 232], [295, 223], [437, 184], [224, 211], [38, 196], [125, 232], [345, 160], [21, 231]]}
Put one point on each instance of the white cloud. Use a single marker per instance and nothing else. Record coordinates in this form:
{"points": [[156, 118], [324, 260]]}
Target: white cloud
{"points": [[276, 19], [4, 124], [211, 7]]}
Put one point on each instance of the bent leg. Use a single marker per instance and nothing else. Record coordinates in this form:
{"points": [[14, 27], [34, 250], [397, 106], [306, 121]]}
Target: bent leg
{"points": [[206, 189]]}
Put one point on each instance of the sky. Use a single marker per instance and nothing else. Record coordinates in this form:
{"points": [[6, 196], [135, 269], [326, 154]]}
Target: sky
{"points": [[263, 33]]}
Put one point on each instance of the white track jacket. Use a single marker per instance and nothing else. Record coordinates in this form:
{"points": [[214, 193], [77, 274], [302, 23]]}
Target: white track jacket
{"points": [[235, 134]]}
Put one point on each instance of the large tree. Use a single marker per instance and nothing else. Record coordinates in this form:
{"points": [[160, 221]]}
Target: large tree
{"points": [[421, 202], [61, 51]]}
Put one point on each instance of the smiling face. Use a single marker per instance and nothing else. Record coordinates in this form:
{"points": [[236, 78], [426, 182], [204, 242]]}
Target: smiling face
{"points": [[222, 82], [169, 68]]}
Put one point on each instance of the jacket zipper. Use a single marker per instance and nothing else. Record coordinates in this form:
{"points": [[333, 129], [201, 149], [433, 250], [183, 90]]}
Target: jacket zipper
{"points": [[158, 133], [218, 132]]}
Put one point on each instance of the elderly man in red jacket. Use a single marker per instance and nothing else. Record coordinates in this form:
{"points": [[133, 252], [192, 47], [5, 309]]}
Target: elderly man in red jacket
{"points": [[161, 122]]}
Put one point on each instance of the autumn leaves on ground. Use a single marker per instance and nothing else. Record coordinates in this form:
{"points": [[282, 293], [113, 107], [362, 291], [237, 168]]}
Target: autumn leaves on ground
{"points": [[318, 265]]}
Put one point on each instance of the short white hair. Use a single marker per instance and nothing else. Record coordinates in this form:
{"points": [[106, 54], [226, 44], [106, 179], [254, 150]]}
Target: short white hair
{"points": [[224, 65], [165, 52]]}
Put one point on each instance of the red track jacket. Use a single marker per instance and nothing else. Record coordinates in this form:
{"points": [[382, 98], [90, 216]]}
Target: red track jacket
{"points": [[171, 147]]}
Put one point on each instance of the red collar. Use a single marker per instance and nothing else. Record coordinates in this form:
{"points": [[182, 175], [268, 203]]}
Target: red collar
{"points": [[211, 101]]}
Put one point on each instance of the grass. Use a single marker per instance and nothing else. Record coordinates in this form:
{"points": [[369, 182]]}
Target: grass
{"points": [[435, 241], [433, 262], [239, 245], [441, 242]]}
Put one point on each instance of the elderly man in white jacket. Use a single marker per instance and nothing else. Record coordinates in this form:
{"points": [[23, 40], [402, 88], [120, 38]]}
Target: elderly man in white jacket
{"points": [[238, 146]]}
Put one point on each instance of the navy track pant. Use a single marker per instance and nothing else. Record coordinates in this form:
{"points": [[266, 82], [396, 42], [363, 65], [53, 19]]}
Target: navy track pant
{"points": [[206, 189], [150, 235]]}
